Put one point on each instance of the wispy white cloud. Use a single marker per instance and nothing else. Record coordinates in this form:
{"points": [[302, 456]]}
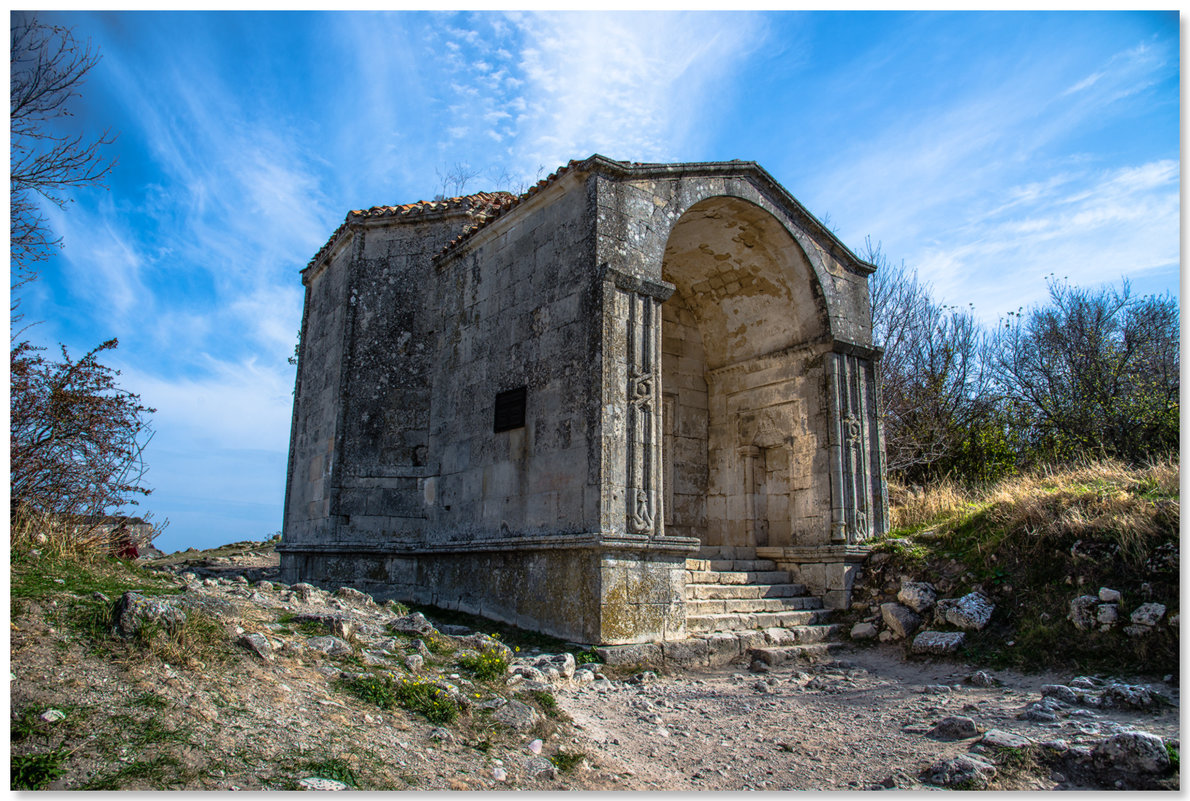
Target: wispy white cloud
{"points": [[986, 188], [556, 86], [1111, 224], [222, 404]]}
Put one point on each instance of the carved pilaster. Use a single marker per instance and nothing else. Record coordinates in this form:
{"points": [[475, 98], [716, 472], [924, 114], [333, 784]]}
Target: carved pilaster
{"points": [[644, 430], [858, 508]]}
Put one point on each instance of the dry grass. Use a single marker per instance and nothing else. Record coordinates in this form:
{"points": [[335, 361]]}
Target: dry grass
{"points": [[63, 537], [1105, 500], [56, 538]]}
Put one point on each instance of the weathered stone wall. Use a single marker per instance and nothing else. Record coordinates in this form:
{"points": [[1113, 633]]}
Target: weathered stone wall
{"points": [[317, 400], [693, 348], [393, 349], [686, 420], [519, 309]]}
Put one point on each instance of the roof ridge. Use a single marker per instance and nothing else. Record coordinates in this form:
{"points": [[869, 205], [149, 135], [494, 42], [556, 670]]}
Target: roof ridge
{"points": [[499, 210], [478, 204]]}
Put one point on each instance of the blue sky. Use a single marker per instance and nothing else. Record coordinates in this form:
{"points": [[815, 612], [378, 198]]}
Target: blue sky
{"points": [[985, 150]]}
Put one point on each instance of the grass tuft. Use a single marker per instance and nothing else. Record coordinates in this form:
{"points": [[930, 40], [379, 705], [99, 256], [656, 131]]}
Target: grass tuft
{"points": [[566, 761], [36, 771], [488, 666], [423, 697]]}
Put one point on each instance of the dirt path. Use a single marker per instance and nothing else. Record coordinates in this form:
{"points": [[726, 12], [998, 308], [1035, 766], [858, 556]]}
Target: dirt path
{"points": [[848, 725]]}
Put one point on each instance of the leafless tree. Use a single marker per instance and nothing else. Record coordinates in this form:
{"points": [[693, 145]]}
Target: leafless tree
{"points": [[76, 438], [1094, 372], [48, 66], [503, 180], [932, 376], [454, 179]]}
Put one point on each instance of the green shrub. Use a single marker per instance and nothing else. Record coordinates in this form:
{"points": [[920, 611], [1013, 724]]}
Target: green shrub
{"points": [[417, 695], [567, 761], [488, 666]]}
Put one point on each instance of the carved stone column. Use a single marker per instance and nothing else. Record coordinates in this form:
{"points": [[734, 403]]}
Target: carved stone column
{"points": [[859, 507], [643, 475]]}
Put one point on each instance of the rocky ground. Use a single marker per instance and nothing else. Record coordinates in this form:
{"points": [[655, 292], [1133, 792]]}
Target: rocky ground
{"points": [[291, 687]]}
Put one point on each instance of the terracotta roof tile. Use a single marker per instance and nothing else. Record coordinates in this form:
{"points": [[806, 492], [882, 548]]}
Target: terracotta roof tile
{"points": [[479, 206], [499, 211]]}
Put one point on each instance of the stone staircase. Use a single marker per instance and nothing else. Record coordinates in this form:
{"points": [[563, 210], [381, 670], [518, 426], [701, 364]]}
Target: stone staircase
{"points": [[734, 594]]}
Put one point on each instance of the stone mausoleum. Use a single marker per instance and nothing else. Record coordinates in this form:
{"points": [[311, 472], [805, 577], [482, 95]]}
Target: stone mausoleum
{"points": [[634, 404]]}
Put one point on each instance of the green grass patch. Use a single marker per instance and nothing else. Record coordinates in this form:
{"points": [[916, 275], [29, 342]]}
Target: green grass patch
{"points": [[331, 768], [309, 628], [546, 701], [1174, 759], [44, 577], [36, 771], [416, 695], [28, 723], [161, 772], [487, 666], [586, 657], [149, 700]]}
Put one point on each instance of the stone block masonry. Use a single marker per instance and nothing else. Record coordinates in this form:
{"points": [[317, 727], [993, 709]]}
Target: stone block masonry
{"points": [[535, 408]]}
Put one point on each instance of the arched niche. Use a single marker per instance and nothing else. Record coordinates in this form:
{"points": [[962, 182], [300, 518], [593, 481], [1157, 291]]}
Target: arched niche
{"points": [[744, 447]]}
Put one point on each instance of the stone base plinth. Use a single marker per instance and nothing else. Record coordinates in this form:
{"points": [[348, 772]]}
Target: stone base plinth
{"points": [[827, 571], [592, 595]]}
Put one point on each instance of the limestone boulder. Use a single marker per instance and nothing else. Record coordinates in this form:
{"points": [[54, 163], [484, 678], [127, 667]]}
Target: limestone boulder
{"points": [[331, 646], [1132, 752], [900, 619], [953, 727], [306, 593], [353, 596], [1148, 614], [517, 715], [998, 738], [920, 596], [1061, 692], [938, 642], [258, 644], [965, 771], [864, 630], [1082, 612], [982, 678], [540, 769], [972, 612], [134, 612], [414, 623]]}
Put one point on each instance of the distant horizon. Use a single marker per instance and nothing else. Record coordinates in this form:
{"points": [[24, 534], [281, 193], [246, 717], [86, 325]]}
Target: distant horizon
{"points": [[985, 150]]}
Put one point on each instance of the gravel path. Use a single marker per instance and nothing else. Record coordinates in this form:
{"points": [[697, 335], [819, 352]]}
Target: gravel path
{"points": [[846, 725]]}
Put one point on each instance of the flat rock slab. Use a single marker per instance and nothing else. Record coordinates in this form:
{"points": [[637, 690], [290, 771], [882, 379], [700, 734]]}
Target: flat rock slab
{"points": [[953, 727], [998, 738], [938, 642]]}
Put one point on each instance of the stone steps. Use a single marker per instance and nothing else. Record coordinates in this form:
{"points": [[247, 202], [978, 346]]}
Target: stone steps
{"points": [[725, 592], [747, 565], [747, 602], [806, 652], [773, 646], [744, 606], [797, 620], [737, 577]]}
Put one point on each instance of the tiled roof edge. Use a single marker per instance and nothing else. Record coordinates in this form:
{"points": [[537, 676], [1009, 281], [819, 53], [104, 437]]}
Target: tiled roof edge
{"points": [[478, 204], [626, 169]]}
